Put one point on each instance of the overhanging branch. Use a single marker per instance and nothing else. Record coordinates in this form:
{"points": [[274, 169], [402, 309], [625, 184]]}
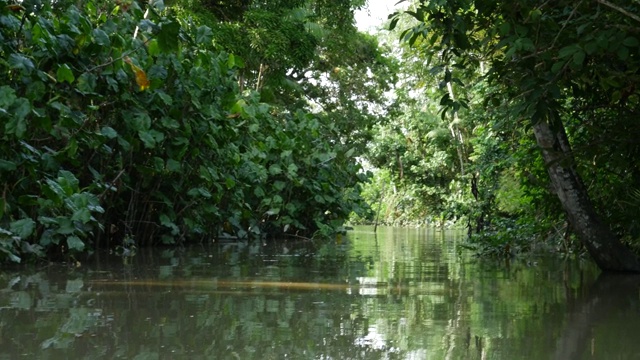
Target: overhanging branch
{"points": [[619, 9]]}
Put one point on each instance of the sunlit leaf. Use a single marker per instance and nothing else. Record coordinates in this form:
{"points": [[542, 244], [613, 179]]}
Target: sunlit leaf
{"points": [[65, 73]]}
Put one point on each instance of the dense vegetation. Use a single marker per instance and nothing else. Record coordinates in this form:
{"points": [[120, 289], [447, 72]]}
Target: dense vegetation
{"points": [[521, 126], [128, 124]]}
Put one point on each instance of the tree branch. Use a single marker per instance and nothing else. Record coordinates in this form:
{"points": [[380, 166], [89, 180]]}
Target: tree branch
{"points": [[619, 9]]}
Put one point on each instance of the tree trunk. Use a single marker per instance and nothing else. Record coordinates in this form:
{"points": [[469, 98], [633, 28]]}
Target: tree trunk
{"points": [[603, 245]]}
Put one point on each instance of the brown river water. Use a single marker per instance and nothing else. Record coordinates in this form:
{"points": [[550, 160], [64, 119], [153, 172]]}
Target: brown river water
{"points": [[398, 294]]}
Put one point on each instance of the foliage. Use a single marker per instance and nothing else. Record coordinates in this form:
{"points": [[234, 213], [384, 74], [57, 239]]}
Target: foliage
{"points": [[493, 70], [305, 54], [122, 128]]}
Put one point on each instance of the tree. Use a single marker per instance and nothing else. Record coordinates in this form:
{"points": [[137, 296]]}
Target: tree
{"points": [[305, 54], [545, 59]]}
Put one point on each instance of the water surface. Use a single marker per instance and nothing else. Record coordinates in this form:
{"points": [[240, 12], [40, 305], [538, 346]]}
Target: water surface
{"points": [[400, 294]]}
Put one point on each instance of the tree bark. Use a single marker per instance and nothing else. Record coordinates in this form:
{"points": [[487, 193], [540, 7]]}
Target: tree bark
{"points": [[603, 245]]}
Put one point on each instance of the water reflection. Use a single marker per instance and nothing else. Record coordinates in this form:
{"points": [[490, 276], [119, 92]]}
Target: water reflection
{"points": [[400, 294]]}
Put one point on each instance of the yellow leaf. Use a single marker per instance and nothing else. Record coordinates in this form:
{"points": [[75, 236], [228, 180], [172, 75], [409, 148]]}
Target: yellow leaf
{"points": [[15, 7], [141, 76]]}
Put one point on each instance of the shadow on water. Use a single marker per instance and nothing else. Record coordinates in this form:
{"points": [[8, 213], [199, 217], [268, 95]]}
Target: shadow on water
{"points": [[603, 317], [397, 294]]}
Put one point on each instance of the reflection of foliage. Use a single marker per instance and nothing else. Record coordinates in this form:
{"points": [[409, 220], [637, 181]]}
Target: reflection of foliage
{"points": [[423, 298]]}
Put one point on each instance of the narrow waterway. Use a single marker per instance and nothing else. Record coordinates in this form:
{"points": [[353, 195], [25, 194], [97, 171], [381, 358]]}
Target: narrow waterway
{"points": [[398, 294]]}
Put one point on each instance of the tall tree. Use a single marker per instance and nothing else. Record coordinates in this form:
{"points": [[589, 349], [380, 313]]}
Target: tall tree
{"points": [[544, 58]]}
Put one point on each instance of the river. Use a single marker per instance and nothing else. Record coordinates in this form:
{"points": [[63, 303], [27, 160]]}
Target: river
{"points": [[398, 294]]}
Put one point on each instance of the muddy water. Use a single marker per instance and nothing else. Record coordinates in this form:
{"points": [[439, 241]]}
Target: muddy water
{"points": [[397, 294]]}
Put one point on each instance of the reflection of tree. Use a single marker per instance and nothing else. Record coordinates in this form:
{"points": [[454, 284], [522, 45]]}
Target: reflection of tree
{"points": [[591, 314]]}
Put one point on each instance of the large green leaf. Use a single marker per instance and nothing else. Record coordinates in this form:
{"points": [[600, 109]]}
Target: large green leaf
{"points": [[75, 243], [23, 228], [17, 61], [204, 35], [87, 83], [101, 38], [168, 35], [6, 165]]}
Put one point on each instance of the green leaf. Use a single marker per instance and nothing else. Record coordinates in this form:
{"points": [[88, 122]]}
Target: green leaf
{"points": [[275, 169], [6, 165], [631, 42], [350, 152], [101, 38], [173, 165], [7, 96], [166, 99], [158, 164], [168, 36], [195, 192], [68, 182], [623, 53], [279, 185], [556, 67], [75, 243], [18, 125], [591, 47], [292, 169], [83, 215], [109, 132], [235, 61], [87, 83], [166, 221], [504, 28], [17, 61], [36, 91], [147, 138], [231, 61], [394, 22], [153, 48], [204, 35], [138, 120], [231, 183], [23, 228], [158, 4], [568, 51], [65, 226], [578, 57]]}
